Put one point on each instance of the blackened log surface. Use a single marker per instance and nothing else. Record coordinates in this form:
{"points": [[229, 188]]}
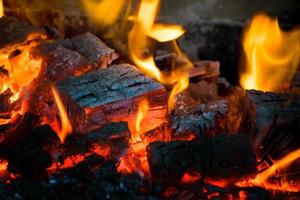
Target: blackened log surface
{"points": [[205, 120], [87, 45], [94, 49], [113, 95], [273, 120], [224, 157], [14, 34]]}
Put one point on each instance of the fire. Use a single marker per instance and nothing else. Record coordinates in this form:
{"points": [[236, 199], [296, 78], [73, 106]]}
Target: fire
{"points": [[66, 127], [262, 178], [142, 112], [190, 177], [1, 8], [139, 47], [22, 70], [272, 55], [104, 12]]}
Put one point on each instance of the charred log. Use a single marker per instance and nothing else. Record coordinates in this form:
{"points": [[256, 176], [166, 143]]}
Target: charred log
{"points": [[112, 95], [168, 161], [273, 121], [15, 34]]}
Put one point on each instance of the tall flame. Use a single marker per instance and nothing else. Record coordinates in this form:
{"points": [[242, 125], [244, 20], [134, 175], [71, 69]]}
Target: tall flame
{"points": [[139, 47], [1, 8], [66, 127], [261, 178], [104, 12], [142, 112], [272, 56]]}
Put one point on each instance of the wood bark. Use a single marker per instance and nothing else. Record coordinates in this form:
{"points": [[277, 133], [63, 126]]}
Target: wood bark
{"points": [[112, 95]]}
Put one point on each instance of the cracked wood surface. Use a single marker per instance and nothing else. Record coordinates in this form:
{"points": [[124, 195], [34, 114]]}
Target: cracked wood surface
{"points": [[112, 95], [223, 157], [273, 121]]}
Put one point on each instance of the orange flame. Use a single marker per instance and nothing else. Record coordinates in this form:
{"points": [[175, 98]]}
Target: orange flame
{"points": [[139, 45], [1, 8], [261, 179], [66, 127], [272, 56], [22, 71], [104, 12], [142, 112]]}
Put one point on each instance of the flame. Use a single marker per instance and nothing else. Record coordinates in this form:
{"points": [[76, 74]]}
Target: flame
{"points": [[1, 8], [262, 178], [22, 70], [272, 56], [104, 12], [139, 45], [143, 109], [66, 127]]}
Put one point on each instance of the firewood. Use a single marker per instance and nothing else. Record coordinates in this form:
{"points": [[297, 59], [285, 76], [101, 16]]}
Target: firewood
{"points": [[87, 45], [223, 157], [205, 120], [112, 95], [273, 122], [15, 34]]}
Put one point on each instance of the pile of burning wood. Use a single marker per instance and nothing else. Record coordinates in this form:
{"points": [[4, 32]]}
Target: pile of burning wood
{"points": [[77, 122]]}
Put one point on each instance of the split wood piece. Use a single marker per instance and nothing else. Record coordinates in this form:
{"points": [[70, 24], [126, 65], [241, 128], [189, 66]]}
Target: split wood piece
{"points": [[273, 122], [113, 95], [14, 34], [205, 120], [226, 158], [87, 45]]}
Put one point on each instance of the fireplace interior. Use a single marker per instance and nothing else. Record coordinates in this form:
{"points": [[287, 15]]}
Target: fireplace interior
{"points": [[149, 99]]}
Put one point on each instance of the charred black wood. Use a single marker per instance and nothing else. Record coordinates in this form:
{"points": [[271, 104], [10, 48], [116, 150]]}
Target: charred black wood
{"points": [[15, 34], [168, 161], [30, 157], [87, 45], [273, 122], [205, 120], [112, 95], [23, 128], [5, 102]]}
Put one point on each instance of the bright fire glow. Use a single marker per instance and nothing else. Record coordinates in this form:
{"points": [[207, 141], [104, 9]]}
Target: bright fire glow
{"points": [[66, 127], [142, 113], [272, 56], [139, 46], [190, 177], [22, 70], [1, 8], [104, 12], [261, 179]]}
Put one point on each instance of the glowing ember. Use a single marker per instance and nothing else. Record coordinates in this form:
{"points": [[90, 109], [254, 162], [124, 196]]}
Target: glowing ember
{"points": [[262, 178], [3, 166], [272, 56], [66, 127], [104, 12], [145, 27], [190, 177]]}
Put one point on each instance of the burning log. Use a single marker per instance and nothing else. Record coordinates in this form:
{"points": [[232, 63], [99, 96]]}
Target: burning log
{"points": [[223, 159], [273, 121], [112, 95], [205, 120], [87, 45], [15, 34]]}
